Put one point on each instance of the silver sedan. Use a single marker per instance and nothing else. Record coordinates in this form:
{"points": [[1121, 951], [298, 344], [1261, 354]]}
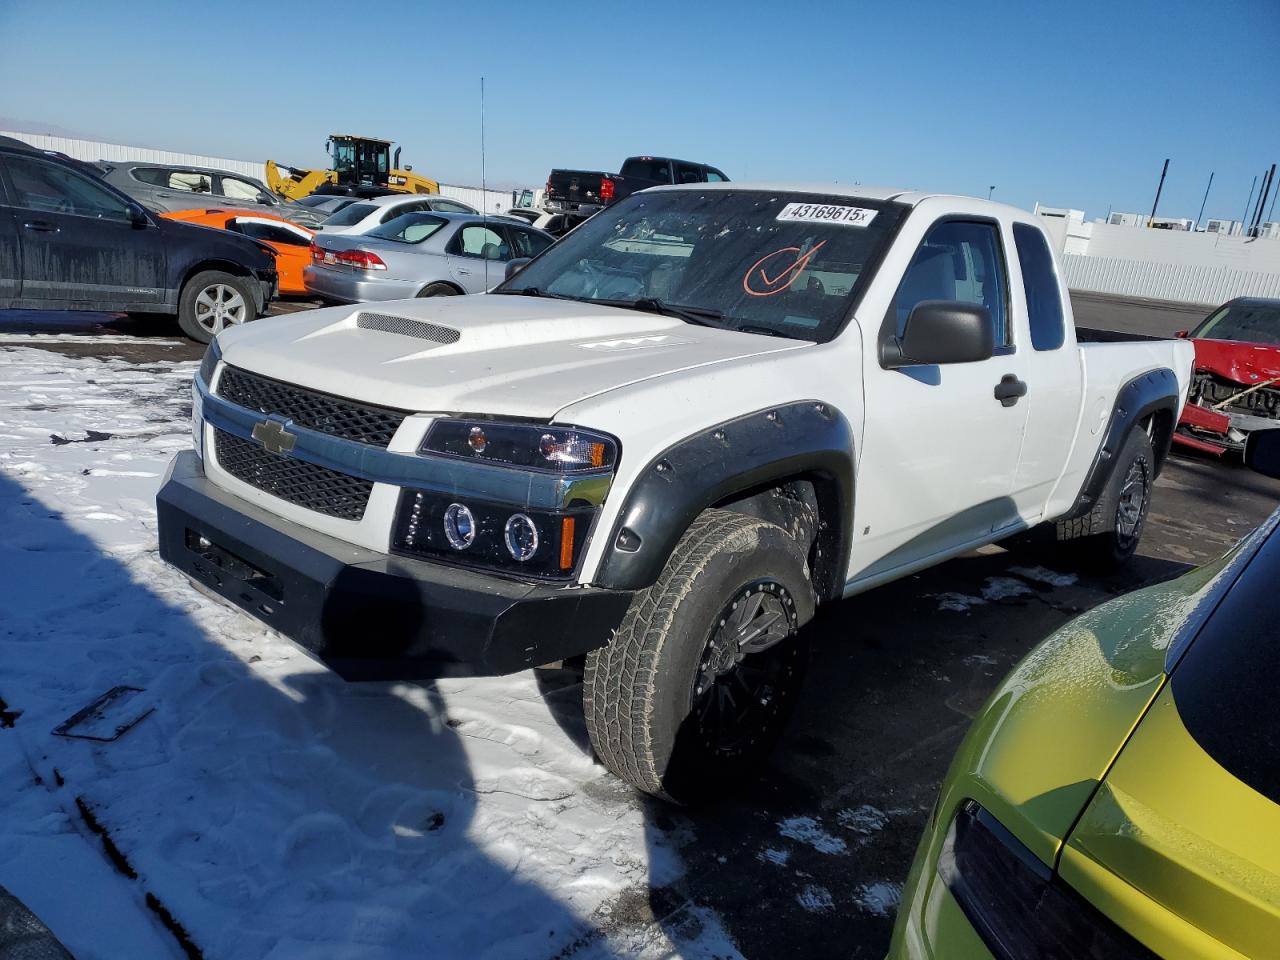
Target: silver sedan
{"points": [[420, 255]]}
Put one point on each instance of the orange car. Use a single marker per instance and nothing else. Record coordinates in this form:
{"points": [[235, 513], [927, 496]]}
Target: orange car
{"points": [[291, 243]]}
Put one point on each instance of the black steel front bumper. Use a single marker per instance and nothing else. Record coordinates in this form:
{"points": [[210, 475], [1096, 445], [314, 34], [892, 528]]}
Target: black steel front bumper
{"points": [[369, 615]]}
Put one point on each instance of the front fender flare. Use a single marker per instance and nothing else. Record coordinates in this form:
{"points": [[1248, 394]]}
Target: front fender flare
{"points": [[808, 438]]}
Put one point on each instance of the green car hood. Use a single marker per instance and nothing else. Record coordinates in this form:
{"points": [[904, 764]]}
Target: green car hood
{"points": [[1041, 745]]}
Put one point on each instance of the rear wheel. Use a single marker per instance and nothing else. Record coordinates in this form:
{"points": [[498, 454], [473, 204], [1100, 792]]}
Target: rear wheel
{"points": [[700, 678], [1108, 535], [437, 290], [211, 301]]}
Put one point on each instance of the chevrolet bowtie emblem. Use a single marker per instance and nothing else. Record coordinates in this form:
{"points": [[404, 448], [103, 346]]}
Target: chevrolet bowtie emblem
{"points": [[273, 437]]}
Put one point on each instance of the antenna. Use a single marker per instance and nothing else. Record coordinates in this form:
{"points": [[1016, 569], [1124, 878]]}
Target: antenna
{"points": [[484, 194]]}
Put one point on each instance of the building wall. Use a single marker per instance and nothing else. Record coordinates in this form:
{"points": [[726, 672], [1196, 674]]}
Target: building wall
{"points": [[1182, 283], [489, 201], [114, 152]]}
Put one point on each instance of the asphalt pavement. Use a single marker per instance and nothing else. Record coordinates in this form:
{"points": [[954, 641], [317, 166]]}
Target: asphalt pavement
{"points": [[807, 858]]}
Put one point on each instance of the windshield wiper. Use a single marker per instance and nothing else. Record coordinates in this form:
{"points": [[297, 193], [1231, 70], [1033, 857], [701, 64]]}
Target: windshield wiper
{"points": [[701, 316], [535, 292]]}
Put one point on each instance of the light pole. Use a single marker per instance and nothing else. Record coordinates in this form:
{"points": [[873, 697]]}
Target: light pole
{"points": [[990, 191]]}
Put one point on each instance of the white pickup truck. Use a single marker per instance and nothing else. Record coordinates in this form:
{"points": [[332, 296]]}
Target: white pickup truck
{"points": [[661, 444]]}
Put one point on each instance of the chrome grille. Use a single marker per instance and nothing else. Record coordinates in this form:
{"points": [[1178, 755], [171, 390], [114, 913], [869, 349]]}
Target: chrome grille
{"points": [[337, 416], [406, 327], [297, 481]]}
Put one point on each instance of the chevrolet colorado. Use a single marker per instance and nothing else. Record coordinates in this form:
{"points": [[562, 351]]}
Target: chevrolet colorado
{"points": [[661, 444]]}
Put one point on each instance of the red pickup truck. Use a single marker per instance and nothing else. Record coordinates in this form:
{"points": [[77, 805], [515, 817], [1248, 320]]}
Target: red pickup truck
{"points": [[587, 191]]}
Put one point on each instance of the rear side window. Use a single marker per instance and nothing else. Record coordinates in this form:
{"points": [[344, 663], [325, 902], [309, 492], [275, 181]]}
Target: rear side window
{"points": [[647, 168], [958, 261], [687, 173], [270, 232], [1040, 281], [191, 181], [451, 206], [349, 216]]}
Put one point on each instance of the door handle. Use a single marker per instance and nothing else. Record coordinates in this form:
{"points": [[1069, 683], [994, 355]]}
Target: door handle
{"points": [[1009, 389], [40, 226]]}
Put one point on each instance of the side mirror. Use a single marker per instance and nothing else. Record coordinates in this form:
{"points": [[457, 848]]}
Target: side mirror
{"points": [[1262, 452], [138, 217], [941, 331], [1181, 335], [516, 265]]}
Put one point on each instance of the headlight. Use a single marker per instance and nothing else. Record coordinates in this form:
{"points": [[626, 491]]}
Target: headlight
{"points": [[1018, 905], [545, 544], [212, 354], [529, 446]]}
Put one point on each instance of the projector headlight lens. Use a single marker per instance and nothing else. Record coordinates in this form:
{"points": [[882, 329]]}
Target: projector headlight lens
{"points": [[521, 535], [459, 526]]}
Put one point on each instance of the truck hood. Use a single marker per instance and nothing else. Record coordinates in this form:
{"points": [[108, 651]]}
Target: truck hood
{"points": [[1245, 363], [487, 354]]}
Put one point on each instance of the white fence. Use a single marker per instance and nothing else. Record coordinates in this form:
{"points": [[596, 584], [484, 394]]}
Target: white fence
{"points": [[490, 201], [118, 153], [1167, 281]]}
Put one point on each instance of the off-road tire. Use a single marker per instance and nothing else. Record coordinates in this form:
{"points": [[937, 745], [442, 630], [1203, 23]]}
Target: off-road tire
{"points": [[639, 692], [437, 290], [1095, 541], [189, 317]]}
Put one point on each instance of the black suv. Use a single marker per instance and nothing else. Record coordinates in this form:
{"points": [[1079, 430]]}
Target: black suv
{"points": [[69, 241]]}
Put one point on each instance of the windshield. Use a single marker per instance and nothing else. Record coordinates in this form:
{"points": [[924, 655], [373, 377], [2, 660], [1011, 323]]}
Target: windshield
{"points": [[408, 228], [785, 264], [1248, 322], [349, 216]]}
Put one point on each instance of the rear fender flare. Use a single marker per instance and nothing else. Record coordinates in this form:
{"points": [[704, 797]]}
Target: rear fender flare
{"points": [[804, 440], [1139, 398]]}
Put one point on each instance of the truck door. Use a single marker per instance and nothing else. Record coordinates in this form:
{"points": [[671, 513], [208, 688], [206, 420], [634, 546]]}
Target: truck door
{"points": [[79, 241], [1054, 381], [10, 254], [939, 452]]}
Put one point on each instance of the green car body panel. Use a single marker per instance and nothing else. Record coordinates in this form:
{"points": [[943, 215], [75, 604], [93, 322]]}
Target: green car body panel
{"points": [[1043, 743]]}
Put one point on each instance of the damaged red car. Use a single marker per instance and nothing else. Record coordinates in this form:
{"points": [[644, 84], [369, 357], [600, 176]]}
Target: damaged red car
{"points": [[1236, 386]]}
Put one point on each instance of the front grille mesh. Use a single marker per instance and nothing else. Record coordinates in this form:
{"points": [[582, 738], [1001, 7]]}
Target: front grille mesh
{"points": [[406, 327], [306, 484], [336, 416]]}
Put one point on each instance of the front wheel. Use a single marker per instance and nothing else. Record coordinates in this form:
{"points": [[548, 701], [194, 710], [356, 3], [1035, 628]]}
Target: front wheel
{"points": [[211, 301], [699, 679], [1108, 535]]}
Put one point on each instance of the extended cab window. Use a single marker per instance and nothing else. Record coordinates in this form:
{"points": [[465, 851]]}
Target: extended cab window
{"points": [[960, 261], [1040, 281], [780, 264], [52, 188]]}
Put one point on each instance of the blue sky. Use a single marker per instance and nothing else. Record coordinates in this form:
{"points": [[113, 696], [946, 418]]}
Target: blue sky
{"points": [[1072, 104]]}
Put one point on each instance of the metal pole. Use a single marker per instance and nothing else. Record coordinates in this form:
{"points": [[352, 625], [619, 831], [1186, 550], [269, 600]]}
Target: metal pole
{"points": [[1271, 213], [1262, 200], [1203, 202], [990, 191], [1244, 217], [1159, 187]]}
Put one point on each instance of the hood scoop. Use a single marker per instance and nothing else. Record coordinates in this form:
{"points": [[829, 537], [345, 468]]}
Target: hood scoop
{"points": [[406, 327]]}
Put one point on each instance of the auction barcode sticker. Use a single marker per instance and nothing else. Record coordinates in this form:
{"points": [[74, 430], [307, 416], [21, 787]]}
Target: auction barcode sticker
{"points": [[826, 213]]}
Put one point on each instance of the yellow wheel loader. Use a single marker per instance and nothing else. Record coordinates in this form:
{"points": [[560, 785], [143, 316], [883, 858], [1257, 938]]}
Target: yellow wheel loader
{"points": [[362, 167]]}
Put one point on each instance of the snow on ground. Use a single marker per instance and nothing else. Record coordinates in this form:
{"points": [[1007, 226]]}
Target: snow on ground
{"points": [[271, 809]]}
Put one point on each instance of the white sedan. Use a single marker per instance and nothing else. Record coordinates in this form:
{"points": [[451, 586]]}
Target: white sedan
{"points": [[361, 217]]}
